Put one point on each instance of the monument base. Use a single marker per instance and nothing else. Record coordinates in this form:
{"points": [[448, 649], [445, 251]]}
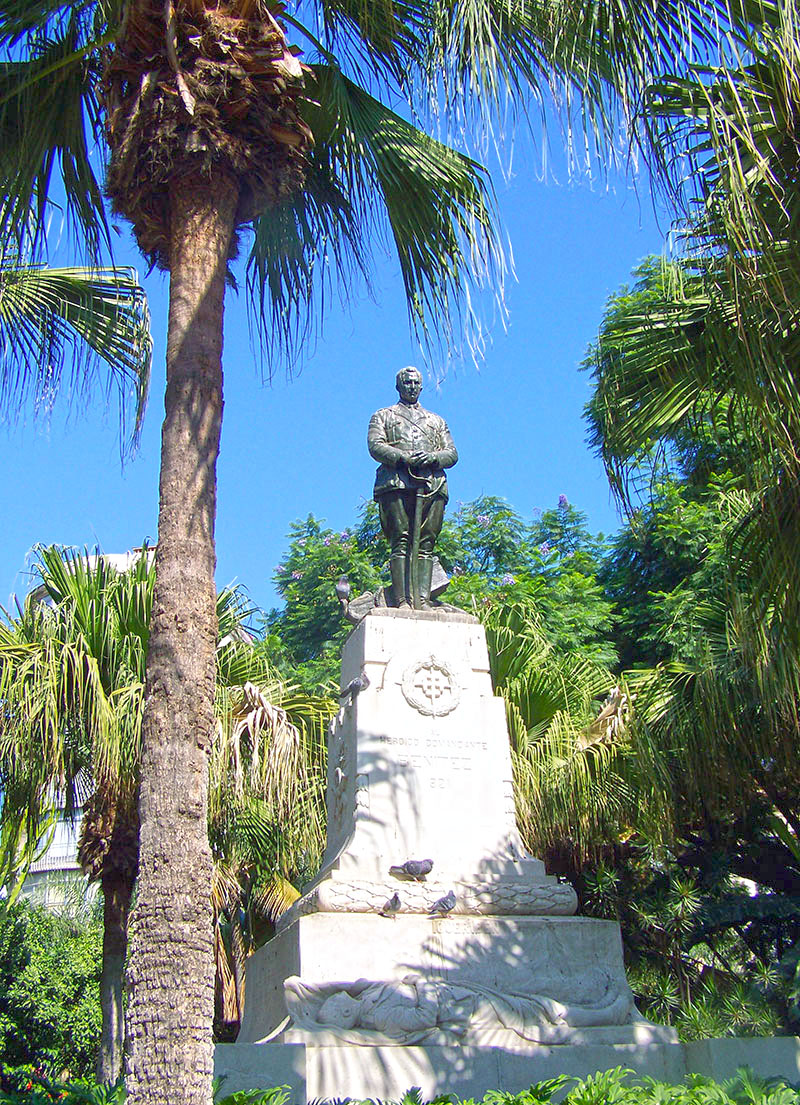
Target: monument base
{"points": [[314, 1072], [432, 950]]}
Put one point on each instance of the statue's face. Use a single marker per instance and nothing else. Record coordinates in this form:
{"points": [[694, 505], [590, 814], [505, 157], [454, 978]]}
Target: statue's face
{"points": [[409, 384]]}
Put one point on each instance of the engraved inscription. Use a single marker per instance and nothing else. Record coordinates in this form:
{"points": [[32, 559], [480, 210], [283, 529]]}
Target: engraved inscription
{"points": [[431, 687], [412, 742]]}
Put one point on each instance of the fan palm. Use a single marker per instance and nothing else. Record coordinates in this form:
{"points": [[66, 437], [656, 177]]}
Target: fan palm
{"points": [[72, 668], [212, 123], [266, 808], [723, 720]]}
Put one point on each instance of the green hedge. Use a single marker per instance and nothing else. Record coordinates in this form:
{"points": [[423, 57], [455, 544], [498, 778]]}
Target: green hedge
{"points": [[613, 1087]]}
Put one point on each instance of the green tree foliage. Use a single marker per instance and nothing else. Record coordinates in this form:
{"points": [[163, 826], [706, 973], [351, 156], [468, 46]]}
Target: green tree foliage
{"points": [[551, 561], [307, 634], [491, 554], [49, 984], [671, 555]]}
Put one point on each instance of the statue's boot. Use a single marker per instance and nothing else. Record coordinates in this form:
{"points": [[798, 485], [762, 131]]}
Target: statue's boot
{"points": [[397, 567], [425, 573]]}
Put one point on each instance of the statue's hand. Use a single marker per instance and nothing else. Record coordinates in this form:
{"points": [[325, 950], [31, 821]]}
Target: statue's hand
{"points": [[422, 460]]}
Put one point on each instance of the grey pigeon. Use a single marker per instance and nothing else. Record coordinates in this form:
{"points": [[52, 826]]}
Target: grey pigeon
{"points": [[412, 869], [442, 906], [391, 907], [343, 592], [355, 686]]}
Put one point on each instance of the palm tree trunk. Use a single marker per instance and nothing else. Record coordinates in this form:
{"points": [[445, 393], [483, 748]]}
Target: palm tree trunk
{"points": [[171, 972], [116, 904]]}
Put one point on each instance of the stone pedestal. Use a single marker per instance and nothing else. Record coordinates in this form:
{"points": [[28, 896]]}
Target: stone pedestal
{"points": [[419, 767], [367, 964]]}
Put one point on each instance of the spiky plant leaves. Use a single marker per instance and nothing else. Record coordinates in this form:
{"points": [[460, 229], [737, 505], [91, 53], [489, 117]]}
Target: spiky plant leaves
{"points": [[601, 884], [656, 992], [570, 787], [701, 1020]]}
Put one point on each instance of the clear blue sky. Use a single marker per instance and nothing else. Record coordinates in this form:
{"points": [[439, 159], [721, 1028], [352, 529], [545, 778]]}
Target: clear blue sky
{"points": [[294, 448]]}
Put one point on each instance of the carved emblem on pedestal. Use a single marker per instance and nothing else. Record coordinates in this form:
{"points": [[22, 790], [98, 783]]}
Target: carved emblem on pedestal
{"points": [[431, 687]]}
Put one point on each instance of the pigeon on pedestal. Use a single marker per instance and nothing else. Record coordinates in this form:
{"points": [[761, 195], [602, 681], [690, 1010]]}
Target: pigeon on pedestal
{"points": [[442, 906], [355, 687], [343, 593], [412, 869], [391, 907]]}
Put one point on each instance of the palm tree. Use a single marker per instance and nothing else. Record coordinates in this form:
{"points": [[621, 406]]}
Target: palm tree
{"points": [[71, 682], [72, 668], [695, 371], [212, 124], [266, 809]]}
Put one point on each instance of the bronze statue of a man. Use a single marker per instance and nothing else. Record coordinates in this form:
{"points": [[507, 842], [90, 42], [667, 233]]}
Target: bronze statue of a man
{"points": [[414, 447]]}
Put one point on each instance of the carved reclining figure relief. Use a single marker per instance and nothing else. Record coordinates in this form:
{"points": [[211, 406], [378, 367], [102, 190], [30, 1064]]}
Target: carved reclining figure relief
{"points": [[417, 1009]]}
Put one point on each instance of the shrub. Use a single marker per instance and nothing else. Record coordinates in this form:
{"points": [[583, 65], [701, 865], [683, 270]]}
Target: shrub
{"points": [[49, 991]]}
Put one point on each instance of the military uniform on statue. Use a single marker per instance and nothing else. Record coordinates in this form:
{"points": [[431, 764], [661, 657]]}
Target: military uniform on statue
{"points": [[414, 447]]}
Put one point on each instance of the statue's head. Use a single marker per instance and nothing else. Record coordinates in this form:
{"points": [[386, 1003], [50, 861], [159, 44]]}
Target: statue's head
{"points": [[409, 383]]}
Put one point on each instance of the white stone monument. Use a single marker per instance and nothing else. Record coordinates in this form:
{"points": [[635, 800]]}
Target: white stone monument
{"points": [[465, 970]]}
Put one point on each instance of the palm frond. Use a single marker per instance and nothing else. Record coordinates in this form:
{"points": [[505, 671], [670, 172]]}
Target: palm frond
{"points": [[715, 730], [65, 321], [571, 791], [697, 342], [587, 64], [19, 18], [436, 207], [379, 37], [54, 81]]}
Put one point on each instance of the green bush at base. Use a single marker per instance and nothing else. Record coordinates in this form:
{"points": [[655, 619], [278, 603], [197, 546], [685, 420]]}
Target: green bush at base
{"points": [[612, 1087]]}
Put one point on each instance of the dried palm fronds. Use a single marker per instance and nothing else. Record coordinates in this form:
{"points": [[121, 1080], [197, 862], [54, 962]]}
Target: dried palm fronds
{"points": [[190, 87]]}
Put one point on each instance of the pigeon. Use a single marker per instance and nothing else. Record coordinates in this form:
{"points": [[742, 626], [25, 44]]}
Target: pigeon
{"points": [[442, 906], [391, 907], [355, 686], [343, 592], [412, 869]]}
